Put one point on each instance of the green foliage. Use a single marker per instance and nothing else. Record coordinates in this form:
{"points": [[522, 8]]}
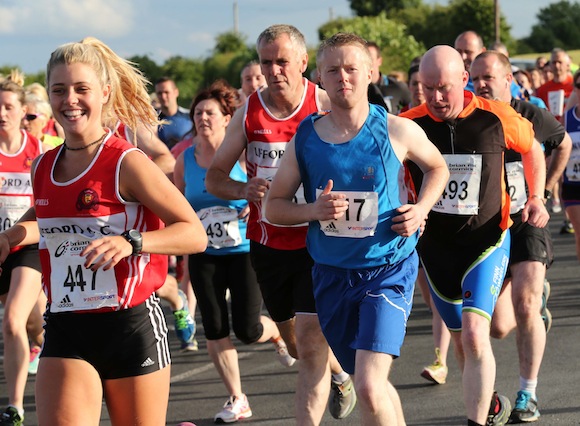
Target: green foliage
{"points": [[376, 7], [191, 75], [442, 24], [479, 16], [397, 47], [557, 27], [188, 76], [148, 67], [227, 66], [230, 42], [230, 55], [38, 77]]}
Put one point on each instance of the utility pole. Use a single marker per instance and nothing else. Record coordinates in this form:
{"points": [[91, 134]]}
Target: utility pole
{"points": [[236, 29], [496, 12]]}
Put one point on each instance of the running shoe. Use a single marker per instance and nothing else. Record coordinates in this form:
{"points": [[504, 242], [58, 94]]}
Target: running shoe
{"points": [[34, 359], [436, 372], [547, 318], [499, 410], [184, 324], [567, 228], [284, 357], [525, 409], [10, 417], [342, 399], [556, 206], [544, 311], [190, 346], [234, 409]]}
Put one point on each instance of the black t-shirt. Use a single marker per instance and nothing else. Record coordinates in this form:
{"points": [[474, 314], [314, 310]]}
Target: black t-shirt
{"points": [[390, 93], [548, 131]]}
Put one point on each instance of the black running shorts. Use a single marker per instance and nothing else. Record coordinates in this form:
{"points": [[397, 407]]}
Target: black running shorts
{"points": [[27, 256], [530, 243], [285, 278], [126, 343]]}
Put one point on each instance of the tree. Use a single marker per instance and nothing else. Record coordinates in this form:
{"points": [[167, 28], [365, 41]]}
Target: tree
{"points": [[419, 22], [231, 53], [397, 47], [479, 16], [227, 66], [230, 42], [437, 24], [148, 67], [557, 27], [375, 7], [187, 74]]}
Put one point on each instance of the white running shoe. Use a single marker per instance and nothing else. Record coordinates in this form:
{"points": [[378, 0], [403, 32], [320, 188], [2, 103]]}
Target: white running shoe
{"points": [[234, 409], [283, 356]]}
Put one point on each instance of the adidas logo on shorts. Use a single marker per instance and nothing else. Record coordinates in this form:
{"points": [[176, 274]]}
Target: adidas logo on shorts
{"points": [[148, 362], [65, 302]]}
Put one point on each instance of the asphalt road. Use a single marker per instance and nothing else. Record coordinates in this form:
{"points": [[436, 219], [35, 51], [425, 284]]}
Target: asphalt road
{"points": [[197, 392]]}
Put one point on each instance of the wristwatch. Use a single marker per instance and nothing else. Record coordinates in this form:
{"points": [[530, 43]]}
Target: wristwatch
{"points": [[547, 194], [135, 239]]}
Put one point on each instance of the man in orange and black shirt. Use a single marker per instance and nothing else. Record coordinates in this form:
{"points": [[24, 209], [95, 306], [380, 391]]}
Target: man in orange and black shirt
{"points": [[465, 246]]}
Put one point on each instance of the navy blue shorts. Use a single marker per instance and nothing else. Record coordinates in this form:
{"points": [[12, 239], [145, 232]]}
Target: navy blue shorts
{"points": [[364, 308]]}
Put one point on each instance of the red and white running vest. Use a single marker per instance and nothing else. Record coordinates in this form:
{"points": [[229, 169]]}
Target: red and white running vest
{"points": [[71, 214], [16, 190], [267, 138]]}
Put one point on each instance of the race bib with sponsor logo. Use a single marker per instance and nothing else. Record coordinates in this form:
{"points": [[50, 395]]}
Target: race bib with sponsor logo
{"points": [[461, 195], [221, 226], [359, 221], [74, 287]]}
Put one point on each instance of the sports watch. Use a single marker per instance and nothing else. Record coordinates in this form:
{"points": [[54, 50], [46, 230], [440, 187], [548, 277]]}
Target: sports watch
{"points": [[547, 194], [135, 239]]}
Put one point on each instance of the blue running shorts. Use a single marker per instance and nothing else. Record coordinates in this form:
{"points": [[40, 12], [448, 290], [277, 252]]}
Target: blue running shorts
{"points": [[481, 284], [364, 308]]}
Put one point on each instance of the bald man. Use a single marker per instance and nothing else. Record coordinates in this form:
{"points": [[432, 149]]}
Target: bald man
{"points": [[469, 44], [470, 222]]}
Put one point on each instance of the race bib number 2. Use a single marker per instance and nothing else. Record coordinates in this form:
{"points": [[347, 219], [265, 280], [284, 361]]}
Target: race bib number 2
{"points": [[74, 287], [516, 186]]}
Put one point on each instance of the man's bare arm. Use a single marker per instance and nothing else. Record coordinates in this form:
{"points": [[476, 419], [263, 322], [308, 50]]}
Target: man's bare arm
{"points": [[218, 181], [559, 159]]}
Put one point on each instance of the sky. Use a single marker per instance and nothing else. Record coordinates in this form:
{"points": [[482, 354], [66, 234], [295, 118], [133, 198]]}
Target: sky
{"points": [[31, 29]]}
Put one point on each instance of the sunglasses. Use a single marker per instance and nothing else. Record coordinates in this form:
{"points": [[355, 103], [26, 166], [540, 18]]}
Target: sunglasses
{"points": [[31, 117]]}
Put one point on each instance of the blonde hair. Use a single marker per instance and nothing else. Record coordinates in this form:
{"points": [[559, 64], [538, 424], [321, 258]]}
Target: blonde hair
{"points": [[14, 83], [128, 101], [345, 39], [38, 90], [40, 105]]}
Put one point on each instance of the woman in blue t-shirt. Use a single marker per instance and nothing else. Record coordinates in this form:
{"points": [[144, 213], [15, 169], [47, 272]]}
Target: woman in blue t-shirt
{"points": [[226, 262]]}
